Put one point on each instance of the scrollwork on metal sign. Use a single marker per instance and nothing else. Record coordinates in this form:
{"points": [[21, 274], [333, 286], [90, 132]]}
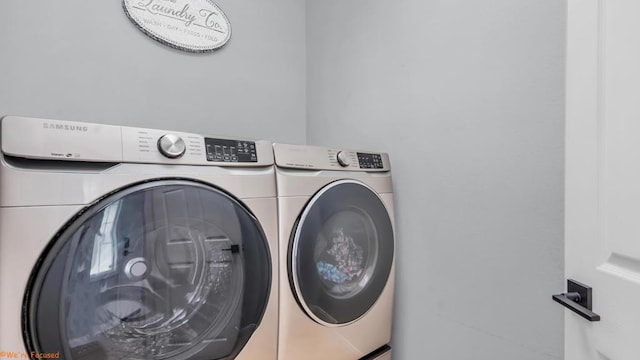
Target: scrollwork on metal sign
{"points": [[188, 25]]}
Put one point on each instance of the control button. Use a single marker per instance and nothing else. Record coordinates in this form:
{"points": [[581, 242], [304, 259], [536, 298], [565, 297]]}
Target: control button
{"points": [[171, 146], [342, 158]]}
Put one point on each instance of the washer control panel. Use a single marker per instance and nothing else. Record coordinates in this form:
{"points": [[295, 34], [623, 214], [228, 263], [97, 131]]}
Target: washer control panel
{"points": [[224, 150], [370, 161], [48, 139]]}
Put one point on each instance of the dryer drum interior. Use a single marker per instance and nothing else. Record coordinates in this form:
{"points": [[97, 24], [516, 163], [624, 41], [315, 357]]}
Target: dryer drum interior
{"points": [[341, 253], [167, 269]]}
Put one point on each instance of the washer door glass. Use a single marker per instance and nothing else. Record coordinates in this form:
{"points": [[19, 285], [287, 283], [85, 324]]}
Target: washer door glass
{"points": [[341, 253], [168, 269]]}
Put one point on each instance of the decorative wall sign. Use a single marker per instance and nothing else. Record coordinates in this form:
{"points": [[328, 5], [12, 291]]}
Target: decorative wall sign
{"points": [[189, 25]]}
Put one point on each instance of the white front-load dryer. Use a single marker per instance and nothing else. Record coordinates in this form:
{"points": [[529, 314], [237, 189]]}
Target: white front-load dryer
{"points": [[336, 227], [130, 243]]}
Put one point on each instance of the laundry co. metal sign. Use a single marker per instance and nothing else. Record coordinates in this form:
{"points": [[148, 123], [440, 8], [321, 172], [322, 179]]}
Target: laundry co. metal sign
{"points": [[189, 25]]}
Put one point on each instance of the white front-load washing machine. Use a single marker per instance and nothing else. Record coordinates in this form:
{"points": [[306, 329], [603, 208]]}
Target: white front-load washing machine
{"points": [[130, 243], [337, 244]]}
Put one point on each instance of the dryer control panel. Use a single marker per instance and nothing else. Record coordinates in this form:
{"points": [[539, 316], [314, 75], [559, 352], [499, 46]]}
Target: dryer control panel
{"points": [[74, 141], [323, 158]]}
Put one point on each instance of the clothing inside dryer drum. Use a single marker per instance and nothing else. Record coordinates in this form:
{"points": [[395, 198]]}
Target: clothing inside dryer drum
{"points": [[157, 274], [345, 252]]}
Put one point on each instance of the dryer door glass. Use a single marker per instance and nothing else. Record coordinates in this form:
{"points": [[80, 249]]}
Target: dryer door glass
{"points": [[341, 253], [169, 269]]}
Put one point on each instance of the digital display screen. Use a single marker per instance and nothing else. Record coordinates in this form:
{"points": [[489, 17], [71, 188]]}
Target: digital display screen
{"points": [[223, 150], [370, 161]]}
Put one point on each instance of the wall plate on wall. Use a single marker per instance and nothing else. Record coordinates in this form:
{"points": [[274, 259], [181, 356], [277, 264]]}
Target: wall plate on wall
{"points": [[188, 25]]}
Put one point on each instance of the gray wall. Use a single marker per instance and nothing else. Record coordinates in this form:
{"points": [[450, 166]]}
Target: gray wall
{"points": [[84, 60], [467, 97]]}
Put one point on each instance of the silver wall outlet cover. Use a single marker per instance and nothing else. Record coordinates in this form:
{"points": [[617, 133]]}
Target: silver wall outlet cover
{"points": [[188, 25]]}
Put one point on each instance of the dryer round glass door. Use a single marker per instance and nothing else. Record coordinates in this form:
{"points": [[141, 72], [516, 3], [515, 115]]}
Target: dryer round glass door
{"points": [[167, 269], [341, 253]]}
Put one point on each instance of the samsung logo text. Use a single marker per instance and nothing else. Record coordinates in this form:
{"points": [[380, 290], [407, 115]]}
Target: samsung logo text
{"points": [[64, 127]]}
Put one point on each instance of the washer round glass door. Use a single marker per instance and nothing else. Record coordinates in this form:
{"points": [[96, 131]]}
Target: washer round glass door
{"points": [[167, 269], [341, 253]]}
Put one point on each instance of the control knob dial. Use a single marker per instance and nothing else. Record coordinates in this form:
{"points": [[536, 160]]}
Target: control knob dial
{"points": [[343, 159], [171, 146]]}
